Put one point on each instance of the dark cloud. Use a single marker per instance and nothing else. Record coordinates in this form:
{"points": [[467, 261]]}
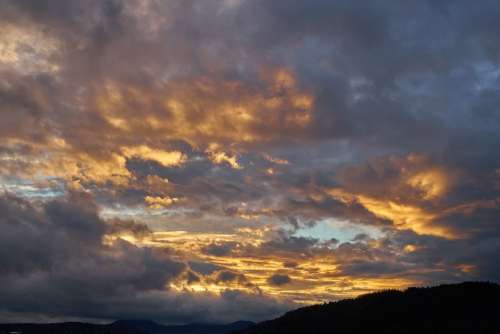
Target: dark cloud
{"points": [[204, 268], [279, 279], [59, 250], [290, 264], [289, 244], [428, 259], [223, 249], [118, 226], [192, 277], [228, 276]]}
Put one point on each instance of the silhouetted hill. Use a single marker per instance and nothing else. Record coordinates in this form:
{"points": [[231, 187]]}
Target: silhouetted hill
{"points": [[122, 327], [460, 308], [150, 327], [67, 328]]}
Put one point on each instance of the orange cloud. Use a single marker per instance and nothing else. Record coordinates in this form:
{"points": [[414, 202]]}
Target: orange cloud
{"points": [[156, 202], [208, 110], [432, 183], [165, 158], [403, 216], [220, 157]]}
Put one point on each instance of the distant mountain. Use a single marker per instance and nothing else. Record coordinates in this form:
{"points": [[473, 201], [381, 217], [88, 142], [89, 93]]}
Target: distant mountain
{"points": [[122, 327], [66, 328], [471, 308], [150, 327]]}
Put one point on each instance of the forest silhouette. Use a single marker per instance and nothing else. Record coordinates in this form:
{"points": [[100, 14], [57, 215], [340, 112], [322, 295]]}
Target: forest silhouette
{"points": [[470, 307]]}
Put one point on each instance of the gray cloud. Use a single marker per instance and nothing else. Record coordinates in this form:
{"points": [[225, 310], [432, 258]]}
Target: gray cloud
{"points": [[62, 269], [221, 249], [279, 279]]}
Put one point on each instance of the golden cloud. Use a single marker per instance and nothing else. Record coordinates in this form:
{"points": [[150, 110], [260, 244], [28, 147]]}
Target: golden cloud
{"points": [[403, 216], [165, 158], [209, 111], [156, 202], [220, 157], [28, 48], [432, 183]]}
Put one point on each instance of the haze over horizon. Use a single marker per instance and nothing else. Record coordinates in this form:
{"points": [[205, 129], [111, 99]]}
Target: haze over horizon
{"points": [[222, 160]]}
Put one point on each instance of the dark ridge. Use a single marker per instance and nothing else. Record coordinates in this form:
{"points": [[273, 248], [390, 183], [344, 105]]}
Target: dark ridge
{"points": [[471, 307], [122, 327], [150, 327], [66, 328]]}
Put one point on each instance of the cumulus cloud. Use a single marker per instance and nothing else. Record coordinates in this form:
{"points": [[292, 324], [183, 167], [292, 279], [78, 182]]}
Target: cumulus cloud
{"points": [[64, 268]]}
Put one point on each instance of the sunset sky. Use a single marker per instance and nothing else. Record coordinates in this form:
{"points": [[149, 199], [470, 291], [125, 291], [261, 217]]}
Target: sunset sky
{"points": [[222, 160]]}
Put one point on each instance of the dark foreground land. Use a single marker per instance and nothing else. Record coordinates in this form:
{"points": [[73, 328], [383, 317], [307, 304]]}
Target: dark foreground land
{"points": [[460, 308], [122, 327]]}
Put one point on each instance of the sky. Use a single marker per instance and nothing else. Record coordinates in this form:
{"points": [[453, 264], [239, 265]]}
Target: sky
{"points": [[221, 160]]}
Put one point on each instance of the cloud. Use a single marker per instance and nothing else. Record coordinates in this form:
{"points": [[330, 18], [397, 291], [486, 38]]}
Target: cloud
{"points": [[227, 276], [219, 249], [279, 279], [60, 248]]}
